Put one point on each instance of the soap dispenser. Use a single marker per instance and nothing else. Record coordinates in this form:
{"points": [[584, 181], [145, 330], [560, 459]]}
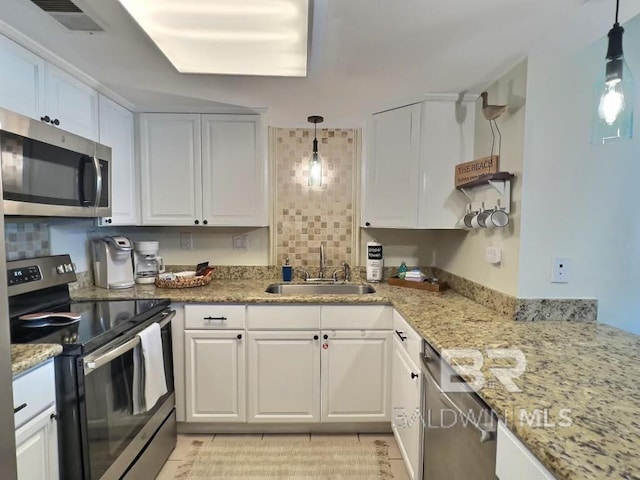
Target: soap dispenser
{"points": [[287, 271]]}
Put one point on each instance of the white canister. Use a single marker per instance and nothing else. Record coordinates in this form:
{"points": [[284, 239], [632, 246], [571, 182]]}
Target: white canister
{"points": [[375, 262]]}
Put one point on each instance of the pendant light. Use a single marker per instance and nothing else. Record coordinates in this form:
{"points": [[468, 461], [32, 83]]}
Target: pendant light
{"points": [[315, 161], [613, 102]]}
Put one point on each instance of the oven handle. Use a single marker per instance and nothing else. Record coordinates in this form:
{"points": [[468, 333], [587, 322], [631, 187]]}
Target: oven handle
{"points": [[486, 435], [92, 363]]}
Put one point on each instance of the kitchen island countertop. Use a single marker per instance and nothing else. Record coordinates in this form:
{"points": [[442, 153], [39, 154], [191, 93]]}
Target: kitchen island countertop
{"points": [[29, 355], [579, 395]]}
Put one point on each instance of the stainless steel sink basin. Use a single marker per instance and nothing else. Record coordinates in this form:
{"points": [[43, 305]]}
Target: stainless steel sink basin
{"points": [[320, 289]]}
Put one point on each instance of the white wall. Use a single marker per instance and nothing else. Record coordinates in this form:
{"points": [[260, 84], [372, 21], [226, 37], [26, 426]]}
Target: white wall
{"points": [[579, 199], [209, 244], [463, 253], [414, 247]]}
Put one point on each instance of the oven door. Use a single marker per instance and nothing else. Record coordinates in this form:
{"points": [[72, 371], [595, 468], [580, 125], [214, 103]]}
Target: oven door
{"points": [[114, 431]]}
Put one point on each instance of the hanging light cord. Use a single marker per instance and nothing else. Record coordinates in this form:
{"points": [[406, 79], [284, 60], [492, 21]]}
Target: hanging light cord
{"points": [[617, 10]]}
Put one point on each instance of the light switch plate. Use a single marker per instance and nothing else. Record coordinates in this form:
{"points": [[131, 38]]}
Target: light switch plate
{"points": [[493, 255], [241, 242]]}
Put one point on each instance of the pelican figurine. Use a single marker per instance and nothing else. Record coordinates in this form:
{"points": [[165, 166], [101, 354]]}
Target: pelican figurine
{"points": [[491, 113]]}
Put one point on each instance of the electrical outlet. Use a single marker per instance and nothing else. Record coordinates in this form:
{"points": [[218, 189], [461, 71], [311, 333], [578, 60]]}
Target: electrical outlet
{"points": [[186, 241], [241, 242], [560, 270]]}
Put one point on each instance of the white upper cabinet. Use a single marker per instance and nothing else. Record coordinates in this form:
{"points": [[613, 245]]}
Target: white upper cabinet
{"points": [[70, 104], [170, 169], [233, 171], [409, 169], [202, 170], [391, 169], [117, 132], [22, 80]]}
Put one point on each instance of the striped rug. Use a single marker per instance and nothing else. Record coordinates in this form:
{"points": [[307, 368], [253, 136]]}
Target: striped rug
{"points": [[301, 460]]}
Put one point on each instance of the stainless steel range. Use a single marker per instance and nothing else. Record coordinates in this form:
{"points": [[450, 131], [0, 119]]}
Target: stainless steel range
{"points": [[102, 434]]}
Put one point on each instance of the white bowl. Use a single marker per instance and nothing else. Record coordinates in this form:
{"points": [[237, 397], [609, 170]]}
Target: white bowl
{"points": [[189, 274]]}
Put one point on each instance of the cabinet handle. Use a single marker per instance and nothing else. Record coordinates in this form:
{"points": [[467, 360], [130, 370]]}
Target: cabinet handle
{"points": [[204, 222], [17, 409], [197, 222], [55, 416], [239, 336], [45, 119], [315, 337], [414, 375], [222, 319], [55, 122], [400, 334], [367, 224], [325, 336]]}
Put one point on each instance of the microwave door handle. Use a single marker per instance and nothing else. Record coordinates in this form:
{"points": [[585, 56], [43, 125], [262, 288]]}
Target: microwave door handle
{"points": [[82, 194], [96, 164]]}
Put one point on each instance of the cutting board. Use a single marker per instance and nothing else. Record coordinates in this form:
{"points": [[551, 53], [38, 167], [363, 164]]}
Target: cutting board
{"points": [[431, 287]]}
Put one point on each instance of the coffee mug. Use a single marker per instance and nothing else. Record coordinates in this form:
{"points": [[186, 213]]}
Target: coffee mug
{"points": [[474, 220], [482, 218], [468, 218], [497, 219]]}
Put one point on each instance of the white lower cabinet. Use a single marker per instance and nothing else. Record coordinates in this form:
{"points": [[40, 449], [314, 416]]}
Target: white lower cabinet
{"points": [[215, 376], [405, 406], [514, 460], [355, 376], [284, 376]]}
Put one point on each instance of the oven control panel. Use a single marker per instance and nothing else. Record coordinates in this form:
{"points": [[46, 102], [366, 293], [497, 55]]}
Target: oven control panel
{"points": [[18, 276]]}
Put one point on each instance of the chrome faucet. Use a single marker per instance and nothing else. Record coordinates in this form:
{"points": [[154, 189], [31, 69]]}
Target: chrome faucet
{"points": [[322, 262], [346, 269]]}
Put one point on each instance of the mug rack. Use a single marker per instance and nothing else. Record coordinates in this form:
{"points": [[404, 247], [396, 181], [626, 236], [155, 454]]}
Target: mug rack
{"points": [[500, 182]]}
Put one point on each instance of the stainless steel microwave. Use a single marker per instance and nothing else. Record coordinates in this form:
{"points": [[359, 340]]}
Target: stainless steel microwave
{"points": [[49, 172]]}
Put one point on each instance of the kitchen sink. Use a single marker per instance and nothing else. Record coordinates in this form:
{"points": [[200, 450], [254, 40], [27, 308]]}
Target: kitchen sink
{"points": [[320, 289]]}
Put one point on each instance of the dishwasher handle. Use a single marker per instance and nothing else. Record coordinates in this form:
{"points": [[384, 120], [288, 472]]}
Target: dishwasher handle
{"points": [[486, 434]]}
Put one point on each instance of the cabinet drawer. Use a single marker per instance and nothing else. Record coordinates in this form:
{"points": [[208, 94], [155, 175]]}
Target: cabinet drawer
{"points": [[350, 317], [214, 316], [290, 317], [37, 389], [514, 460], [411, 340]]}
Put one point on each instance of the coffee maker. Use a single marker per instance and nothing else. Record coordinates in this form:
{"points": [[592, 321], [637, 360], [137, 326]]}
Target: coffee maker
{"points": [[112, 262], [147, 262]]}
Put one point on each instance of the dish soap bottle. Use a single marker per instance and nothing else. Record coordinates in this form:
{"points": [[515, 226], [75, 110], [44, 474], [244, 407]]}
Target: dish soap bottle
{"points": [[402, 270], [287, 271]]}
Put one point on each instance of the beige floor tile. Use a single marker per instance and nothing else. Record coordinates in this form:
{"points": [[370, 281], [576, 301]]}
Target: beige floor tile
{"points": [[183, 444], [270, 437], [394, 451], [168, 472], [237, 436], [398, 470], [333, 436]]}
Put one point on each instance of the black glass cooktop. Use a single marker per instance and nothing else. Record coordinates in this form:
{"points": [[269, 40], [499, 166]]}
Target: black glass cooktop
{"points": [[99, 323]]}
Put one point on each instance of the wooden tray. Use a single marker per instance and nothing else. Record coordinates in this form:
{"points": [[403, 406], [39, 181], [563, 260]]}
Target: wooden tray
{"points": [[431, 287]]}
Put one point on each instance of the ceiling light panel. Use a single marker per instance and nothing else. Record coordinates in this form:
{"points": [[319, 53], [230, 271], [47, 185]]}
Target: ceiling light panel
{"points": [[233, 37]]}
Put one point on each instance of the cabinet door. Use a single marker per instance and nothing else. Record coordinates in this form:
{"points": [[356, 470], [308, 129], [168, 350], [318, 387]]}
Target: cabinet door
{"points": [[170, 169], [405, 407], [215, 371], [233, 171], [37, 448], [22, 81], [116, 131], [355, 376], [284, 376], [392, 168], [72, 103], [447, 139]]}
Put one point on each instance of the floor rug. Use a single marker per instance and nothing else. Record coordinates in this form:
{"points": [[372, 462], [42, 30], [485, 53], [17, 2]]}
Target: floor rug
{"points": [[286, 459]]}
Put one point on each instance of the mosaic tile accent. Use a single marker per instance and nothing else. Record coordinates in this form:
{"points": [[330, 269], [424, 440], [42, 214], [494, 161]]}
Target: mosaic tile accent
{"points": [[306, 217], [561, 309], [26, 240]]}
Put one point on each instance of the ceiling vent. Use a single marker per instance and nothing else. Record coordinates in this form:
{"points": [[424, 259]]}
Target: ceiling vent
{"points": [[69, 15]]}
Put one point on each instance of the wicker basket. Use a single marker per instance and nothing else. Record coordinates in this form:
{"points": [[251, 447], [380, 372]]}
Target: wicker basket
{"points": [[184, 282]]}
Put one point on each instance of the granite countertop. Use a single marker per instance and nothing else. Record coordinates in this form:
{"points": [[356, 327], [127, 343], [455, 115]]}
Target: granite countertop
{"points": [[26, 356], [579, 395]]}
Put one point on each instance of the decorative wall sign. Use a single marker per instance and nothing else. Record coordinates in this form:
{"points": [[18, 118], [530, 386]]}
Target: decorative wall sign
{"points": [[470, 171]]}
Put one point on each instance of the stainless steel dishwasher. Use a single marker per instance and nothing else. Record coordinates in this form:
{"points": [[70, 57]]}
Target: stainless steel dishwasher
{"points": [[459, 428]]}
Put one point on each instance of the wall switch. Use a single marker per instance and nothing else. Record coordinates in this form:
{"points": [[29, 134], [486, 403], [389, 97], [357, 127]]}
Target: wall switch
{"points": [[493, 255], [241, 242], [560, 270], [186, 241]]}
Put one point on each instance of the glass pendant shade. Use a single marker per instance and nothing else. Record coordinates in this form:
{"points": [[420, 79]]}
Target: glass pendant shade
{"points": [[315, 169], [613, 104]]}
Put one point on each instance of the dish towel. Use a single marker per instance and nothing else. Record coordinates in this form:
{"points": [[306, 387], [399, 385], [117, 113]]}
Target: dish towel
{"points": [[154, 379]]}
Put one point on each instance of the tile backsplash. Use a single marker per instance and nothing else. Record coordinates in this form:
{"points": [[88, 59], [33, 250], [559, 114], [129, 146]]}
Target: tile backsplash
{"points": [[306, 217], [26, 240]]}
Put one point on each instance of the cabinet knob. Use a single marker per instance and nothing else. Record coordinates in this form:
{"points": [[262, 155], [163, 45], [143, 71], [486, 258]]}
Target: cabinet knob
{"points": [[109, 220], [325, 336], [197, 222], [414, 375], [55, 122], [55, 416], [239, 336], [367, 224], [45, 119], [315, 337], [204, 222]]}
